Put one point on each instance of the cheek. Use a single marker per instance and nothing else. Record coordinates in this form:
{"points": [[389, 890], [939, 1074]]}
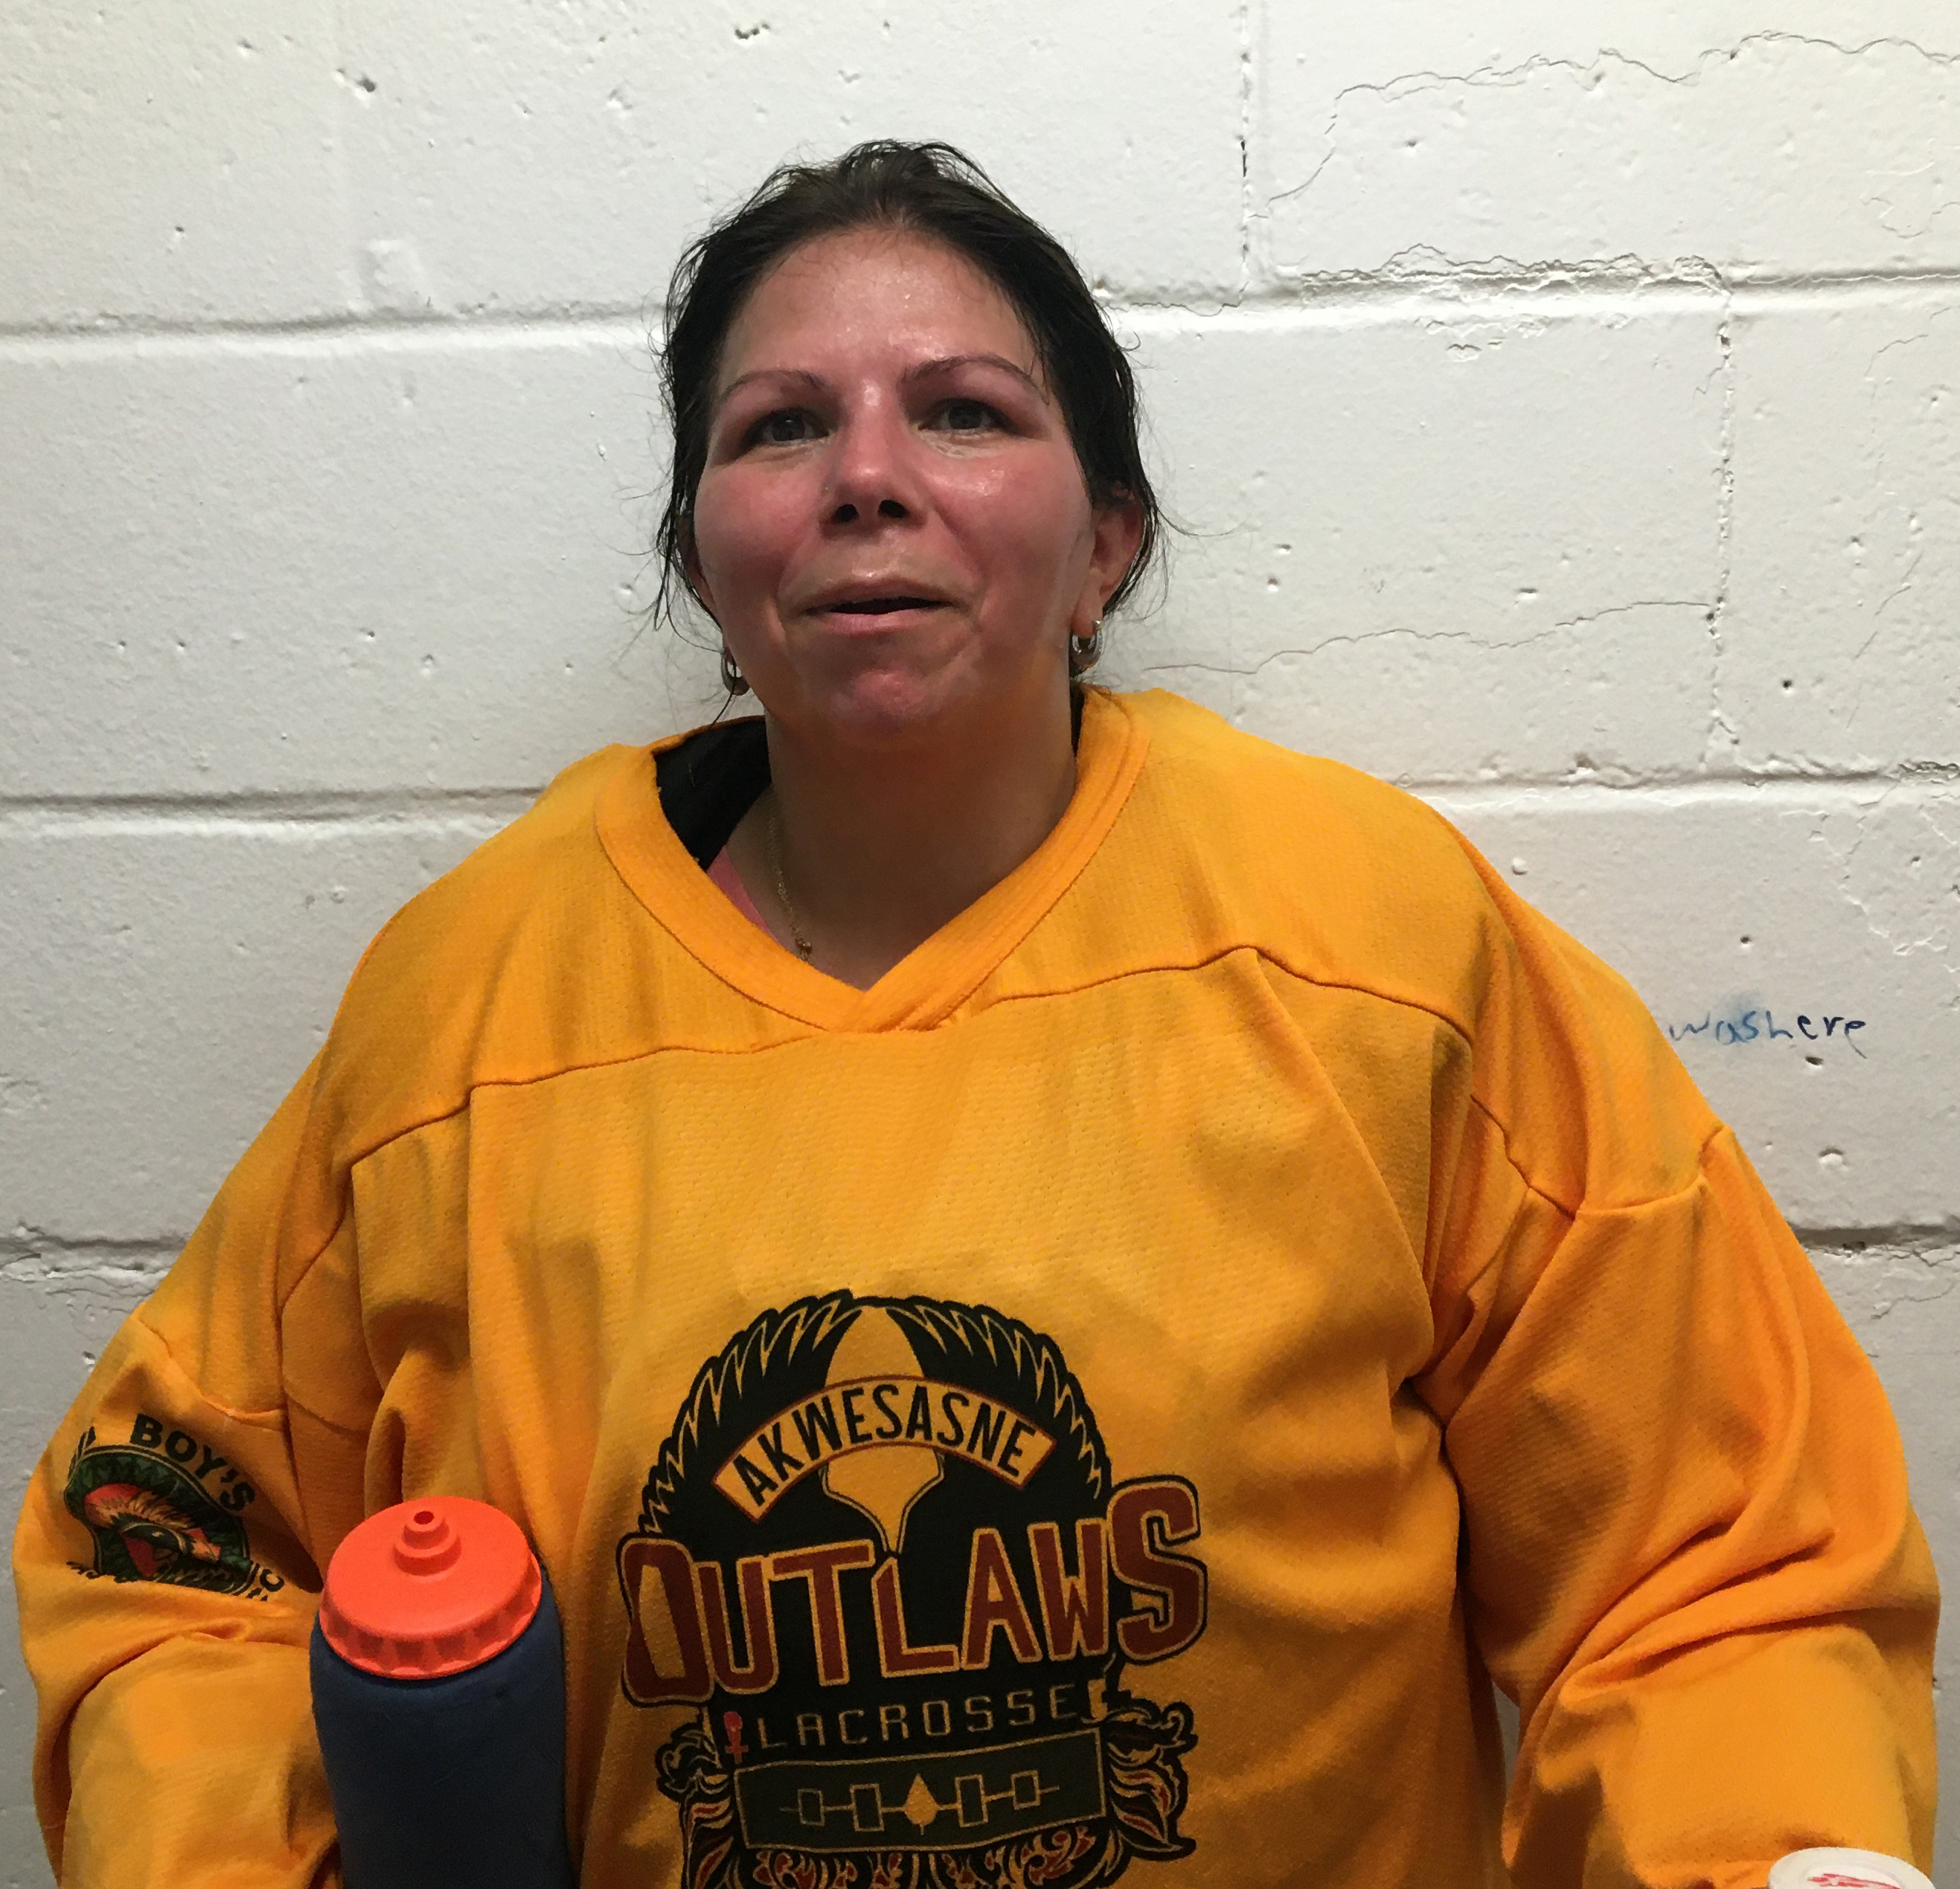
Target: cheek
{"points": [[743, 528], [1030, 524]]}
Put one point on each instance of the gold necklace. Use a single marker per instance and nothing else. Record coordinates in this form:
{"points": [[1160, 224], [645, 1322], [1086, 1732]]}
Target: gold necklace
{"points": [[798, 937]]}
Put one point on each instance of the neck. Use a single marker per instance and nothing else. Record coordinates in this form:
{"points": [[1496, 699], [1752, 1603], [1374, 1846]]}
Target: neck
{"points": [[882, 846]]}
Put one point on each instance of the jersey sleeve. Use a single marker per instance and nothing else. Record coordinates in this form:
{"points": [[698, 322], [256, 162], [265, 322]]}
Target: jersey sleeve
{"points": [[1690, 1556], [166, 1562]]}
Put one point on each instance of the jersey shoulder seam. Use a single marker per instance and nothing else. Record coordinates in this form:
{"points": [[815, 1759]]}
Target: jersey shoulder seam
{"points": [[461, 1106], [273, 1417]]}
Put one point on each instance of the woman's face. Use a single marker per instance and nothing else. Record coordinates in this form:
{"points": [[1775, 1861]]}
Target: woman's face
{"points": [[892, 528]]}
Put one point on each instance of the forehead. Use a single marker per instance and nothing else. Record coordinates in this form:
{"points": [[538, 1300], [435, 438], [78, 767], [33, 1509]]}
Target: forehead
{"points": [[867, 298]]}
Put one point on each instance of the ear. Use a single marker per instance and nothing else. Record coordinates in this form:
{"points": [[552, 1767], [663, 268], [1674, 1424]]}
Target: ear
{"points": [[1118, 529], [691, 570]]}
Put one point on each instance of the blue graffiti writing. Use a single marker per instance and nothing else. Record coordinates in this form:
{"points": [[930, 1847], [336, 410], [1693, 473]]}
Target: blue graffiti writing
{"points": [[1759, 1025]]}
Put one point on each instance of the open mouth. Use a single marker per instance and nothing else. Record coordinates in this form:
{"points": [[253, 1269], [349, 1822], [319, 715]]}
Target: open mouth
{"points": [[879, 606]]}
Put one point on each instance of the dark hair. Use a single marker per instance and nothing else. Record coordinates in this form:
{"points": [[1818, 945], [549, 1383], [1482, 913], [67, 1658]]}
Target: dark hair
{"points": [[941, 193]]}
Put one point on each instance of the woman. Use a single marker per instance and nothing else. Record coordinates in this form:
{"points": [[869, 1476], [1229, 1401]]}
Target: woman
{"points": [[1055, 1285]]}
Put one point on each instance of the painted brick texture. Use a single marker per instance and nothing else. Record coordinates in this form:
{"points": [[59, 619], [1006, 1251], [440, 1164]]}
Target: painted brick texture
{"points": [[1562, 400]]}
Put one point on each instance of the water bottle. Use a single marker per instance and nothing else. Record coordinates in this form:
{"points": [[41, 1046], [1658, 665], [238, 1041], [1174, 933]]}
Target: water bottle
{"points": [[438, 1690]]}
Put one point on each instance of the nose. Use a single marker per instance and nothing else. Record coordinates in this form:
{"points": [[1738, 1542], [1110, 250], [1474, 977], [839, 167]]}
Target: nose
{"points": [[872, 475]]}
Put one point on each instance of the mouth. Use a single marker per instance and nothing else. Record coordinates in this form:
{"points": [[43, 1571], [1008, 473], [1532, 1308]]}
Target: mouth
{"points": [[878, 603], [879, 606]]}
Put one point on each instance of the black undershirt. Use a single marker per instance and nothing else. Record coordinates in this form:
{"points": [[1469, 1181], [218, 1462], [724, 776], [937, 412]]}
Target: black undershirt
{"points": [[713, 778], [710, 781]]}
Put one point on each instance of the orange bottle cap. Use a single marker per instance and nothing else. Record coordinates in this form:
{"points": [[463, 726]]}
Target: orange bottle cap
{"points": [[429, 1588]]}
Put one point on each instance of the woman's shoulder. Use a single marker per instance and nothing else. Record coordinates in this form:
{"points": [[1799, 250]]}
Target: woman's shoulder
{"points": [[520, 879], [1340, 880], [1208, 755], [473, 978], [1307, 850]]}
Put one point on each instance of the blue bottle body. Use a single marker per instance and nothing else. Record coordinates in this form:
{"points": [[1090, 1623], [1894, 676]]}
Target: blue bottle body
{"points": [[458, 1779]]}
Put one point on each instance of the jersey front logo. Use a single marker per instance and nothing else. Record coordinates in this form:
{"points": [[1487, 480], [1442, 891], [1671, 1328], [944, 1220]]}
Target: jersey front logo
{"points": [[882, 1555]]}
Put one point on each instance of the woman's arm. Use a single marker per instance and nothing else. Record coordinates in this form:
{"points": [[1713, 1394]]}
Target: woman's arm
{"points": [[1690, 1556], [166, 1565]]}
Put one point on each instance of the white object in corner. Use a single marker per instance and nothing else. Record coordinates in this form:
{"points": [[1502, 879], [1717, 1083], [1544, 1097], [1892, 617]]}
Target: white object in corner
{"points": [[1844, 1869]]}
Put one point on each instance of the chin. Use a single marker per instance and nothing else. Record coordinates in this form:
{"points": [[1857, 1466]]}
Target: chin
{"points": [[893, 706], [914, 689], [906, 696]]}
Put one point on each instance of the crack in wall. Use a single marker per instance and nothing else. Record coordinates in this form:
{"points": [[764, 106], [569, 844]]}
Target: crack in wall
{"points": [[343, 172], [1413, 84], [1723, 734], [1246, 117], [1875, 1271], [1246, 676], [1936, 944], [1583, 620], [1893, 488]]}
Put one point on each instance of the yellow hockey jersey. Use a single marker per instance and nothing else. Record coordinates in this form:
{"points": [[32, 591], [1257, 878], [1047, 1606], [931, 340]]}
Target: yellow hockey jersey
{"points": [[1110, 1393]]}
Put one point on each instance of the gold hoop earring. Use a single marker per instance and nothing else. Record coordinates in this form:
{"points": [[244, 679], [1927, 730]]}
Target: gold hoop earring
{"points": [[731, 678], [1084, 652]]}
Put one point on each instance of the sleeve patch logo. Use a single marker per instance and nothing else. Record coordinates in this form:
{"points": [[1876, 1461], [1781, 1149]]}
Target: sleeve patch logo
{"points": [[882, 1555], [165, 1507]]}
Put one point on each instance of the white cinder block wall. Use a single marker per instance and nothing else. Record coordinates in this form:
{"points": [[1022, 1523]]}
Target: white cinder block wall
{"points": [[1563, 400]]}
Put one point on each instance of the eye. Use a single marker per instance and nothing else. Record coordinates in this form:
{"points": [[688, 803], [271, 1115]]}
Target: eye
{"points": [[784, 427], [966, 416]]}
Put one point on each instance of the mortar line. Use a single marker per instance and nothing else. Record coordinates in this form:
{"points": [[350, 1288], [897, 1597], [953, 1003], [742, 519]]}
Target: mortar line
{"points": [[1913, 1236], [381, 810], [375, 807], [1469, 287], [82, 1255], [1687, 789], [1692, 789], [82, 1258]]}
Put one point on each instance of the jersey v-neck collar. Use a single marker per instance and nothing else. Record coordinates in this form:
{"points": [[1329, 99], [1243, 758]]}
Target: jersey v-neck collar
{"points": [[923, 987]]}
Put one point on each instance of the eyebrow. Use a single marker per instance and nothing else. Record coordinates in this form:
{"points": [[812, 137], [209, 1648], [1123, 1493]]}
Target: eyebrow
{"points": [[920, 370], [925, 370]]}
